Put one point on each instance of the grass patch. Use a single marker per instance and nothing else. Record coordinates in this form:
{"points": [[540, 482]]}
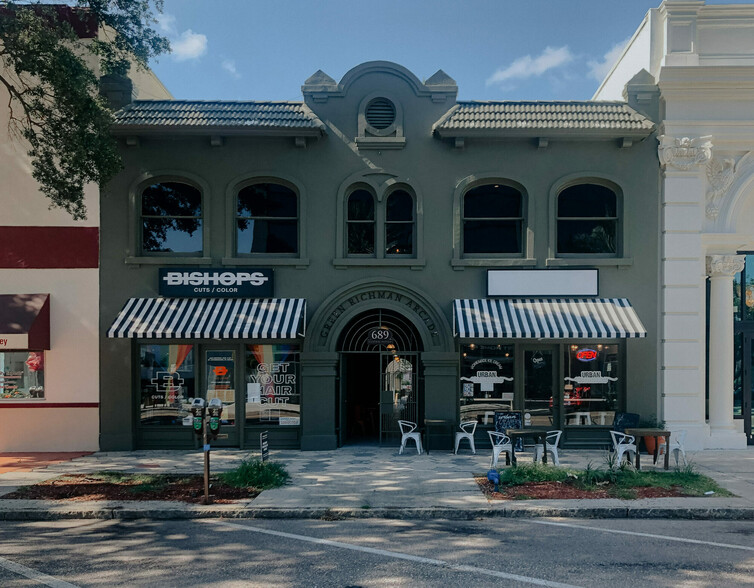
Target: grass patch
{"points": [[532, 472], [620, 483], [254, 473]]}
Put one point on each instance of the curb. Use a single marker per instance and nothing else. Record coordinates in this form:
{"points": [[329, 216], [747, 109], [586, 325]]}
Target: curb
{"points": [[129, 511]]}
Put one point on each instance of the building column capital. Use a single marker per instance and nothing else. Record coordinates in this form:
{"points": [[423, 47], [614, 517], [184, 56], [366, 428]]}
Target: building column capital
{"points": [[684, 153], [724, 265]]}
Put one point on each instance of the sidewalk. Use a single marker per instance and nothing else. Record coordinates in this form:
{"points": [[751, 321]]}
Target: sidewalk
{"points": [[370, 481]]}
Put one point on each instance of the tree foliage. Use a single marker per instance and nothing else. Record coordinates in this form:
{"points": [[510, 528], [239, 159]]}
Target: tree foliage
{"points": [[51, 76]]}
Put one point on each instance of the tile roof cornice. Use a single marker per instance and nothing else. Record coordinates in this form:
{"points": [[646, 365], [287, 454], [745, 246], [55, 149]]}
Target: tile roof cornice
{"points": [[538, 118], [201, 117]]}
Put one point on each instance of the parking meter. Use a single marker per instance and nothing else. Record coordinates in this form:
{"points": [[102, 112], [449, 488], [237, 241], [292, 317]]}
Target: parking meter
{"points": [[215, 411], [197, 409]]}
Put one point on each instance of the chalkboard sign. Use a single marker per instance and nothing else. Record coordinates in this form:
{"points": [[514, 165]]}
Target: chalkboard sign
{"points": [[625, 420], [510, 419]]}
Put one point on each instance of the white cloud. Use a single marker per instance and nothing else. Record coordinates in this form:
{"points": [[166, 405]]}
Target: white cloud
{"points": [[528, 66], [230, 66], [189, 45], [185, 45], [599, 69]]}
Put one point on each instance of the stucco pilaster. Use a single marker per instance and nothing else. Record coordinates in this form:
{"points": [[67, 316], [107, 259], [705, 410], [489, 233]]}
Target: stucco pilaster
{"points": [[682, 377], [441, 393], [319, 380]]}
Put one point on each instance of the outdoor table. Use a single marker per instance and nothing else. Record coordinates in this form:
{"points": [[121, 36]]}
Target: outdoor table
{"points": [[656, 433], [539, 434], [438, 424]]}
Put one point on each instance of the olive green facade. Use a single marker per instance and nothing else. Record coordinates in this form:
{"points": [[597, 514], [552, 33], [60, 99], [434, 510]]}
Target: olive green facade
{"points": [[322, 167]]}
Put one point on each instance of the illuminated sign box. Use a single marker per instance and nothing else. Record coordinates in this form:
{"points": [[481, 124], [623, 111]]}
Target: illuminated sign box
{"points": [[547, 282]]}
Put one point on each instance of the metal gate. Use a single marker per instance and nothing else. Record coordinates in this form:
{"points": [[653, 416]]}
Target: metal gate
{"points": [[399, 394]]}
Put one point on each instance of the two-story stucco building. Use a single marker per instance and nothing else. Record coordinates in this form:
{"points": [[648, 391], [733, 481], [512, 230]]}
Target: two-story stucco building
{"points": [[379, 251]]}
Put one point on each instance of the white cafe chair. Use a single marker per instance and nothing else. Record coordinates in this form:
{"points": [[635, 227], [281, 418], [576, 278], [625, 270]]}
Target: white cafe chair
{"points": [[466, 432], [408, 431], [676, 446], [551, 442], [623, 444], [500, 442]]}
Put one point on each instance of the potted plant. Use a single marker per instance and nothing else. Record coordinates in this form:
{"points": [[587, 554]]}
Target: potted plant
{"points": [[651, 423]]}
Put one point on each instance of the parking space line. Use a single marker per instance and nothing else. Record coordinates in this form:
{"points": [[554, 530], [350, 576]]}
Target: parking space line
{"points": [[33, 574], [650, 535], [393, 554]]}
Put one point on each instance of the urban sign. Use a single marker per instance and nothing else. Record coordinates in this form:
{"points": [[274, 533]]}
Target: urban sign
{"points": [[216, 283]]}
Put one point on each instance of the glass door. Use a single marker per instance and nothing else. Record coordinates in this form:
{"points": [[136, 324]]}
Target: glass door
{"points": [[541, 400], [743, 382], [220, 380]]}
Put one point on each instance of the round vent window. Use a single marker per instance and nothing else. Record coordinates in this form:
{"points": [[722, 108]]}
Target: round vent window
{"points": [[380, 113]]}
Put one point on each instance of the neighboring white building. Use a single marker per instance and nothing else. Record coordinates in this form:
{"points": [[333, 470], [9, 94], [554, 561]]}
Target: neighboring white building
{"points": [[702, 60], [49, 305]]}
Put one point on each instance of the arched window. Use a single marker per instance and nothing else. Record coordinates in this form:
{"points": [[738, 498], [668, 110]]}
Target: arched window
{"points": [[266, 219], [399, 224], [171, 219], [493, 220], [360, 223], [587, 220]]}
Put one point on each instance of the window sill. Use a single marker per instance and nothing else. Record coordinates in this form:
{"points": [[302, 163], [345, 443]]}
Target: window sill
{"points": [[589, 261], [298, 262], [168, 260], [344, 262], [460, 264], [380, 142]]}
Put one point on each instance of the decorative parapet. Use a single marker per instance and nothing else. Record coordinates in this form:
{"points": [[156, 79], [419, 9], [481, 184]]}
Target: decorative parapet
{"points": [[724, 265], [720, 175], [683, 153]]}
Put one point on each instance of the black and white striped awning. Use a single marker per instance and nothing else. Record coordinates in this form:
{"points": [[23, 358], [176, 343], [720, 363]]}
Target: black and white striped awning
{"points": [[546, 318], [210, 318]]}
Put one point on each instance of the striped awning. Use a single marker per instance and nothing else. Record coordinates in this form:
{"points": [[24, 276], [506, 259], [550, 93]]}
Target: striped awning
{"points": [[546, 318], [210, 318]]}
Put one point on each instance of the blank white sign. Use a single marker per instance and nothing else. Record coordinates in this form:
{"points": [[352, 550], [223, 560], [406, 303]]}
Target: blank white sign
{"points": [[555, 282]]}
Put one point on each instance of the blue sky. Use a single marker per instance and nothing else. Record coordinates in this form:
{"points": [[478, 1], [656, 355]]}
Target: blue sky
{"points": [[494, 49]]}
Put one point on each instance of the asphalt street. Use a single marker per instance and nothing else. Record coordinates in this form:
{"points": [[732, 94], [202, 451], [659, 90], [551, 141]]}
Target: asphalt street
{"points": [[376, 552]]}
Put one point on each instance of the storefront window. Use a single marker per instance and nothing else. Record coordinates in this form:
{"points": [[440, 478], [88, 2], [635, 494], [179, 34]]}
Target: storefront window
{"points": [[22, 375], [486, 381], [167, 383], [592, 384], [272, 385]]}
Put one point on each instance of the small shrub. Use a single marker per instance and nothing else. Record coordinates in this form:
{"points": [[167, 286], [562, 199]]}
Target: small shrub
{"points": [[254, 473]]}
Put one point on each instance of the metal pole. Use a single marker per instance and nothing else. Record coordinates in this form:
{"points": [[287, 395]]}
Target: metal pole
{"points": [[206, 464]]}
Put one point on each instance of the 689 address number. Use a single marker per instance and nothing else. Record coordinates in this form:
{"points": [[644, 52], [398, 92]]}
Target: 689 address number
{"points": [[380, 336]]}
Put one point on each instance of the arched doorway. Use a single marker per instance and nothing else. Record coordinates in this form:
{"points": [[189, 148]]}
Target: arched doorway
{"points": [[380, 376]]}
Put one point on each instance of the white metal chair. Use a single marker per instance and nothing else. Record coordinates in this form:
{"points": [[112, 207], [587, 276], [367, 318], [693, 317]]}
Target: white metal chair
{"points": [[676, 446], [500, 442], [623, 444], [552, 440], [408, 431], [466, 432]]}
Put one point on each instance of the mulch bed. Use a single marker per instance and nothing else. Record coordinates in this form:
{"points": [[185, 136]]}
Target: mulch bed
{"points": [[79, 487], [564, 491]]}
